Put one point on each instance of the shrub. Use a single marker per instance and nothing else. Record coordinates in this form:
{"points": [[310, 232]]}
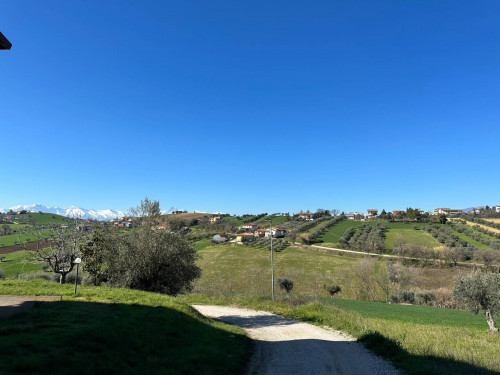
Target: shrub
{"points": [[333, 289], [406, 296], [426, 297], [285, 284]]}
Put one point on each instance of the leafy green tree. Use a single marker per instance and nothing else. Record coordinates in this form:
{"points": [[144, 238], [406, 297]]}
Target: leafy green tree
{"points": [[98, 252], [479, 290], [154, 258]]}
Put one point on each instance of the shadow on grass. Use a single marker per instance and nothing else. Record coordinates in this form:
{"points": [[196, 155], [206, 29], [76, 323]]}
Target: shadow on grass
{"points": [[14, 309], [415, 364], [70, 337]]}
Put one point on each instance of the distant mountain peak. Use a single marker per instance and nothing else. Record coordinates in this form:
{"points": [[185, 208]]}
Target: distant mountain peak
{"points": [[71, 211]]}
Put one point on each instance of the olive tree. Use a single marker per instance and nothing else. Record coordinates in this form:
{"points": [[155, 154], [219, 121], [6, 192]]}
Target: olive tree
{"points": [[98, 252], [153, 257], [479, 290]]}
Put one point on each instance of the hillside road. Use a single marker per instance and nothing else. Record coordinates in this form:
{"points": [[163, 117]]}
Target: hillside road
{"points": [[286, 346]]}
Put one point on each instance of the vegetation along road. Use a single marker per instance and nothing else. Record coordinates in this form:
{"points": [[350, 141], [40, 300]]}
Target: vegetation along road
{"points": [[286, 346]]}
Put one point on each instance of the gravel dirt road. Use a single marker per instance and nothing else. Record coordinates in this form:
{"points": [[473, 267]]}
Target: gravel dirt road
{"points": [[14, 304], [286, 346]]}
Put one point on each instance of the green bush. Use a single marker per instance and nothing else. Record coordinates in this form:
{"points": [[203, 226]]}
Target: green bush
{"points": [[285, 284], [426, 297], [406, 296]]}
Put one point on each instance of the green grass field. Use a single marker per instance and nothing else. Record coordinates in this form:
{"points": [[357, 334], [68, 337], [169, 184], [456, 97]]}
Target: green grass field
{"points": [[243, 269], [45, 218], [114, 331], [12, 239], [394, 230], [18, 263], [410, 236], [420, 314], [232, 269]]}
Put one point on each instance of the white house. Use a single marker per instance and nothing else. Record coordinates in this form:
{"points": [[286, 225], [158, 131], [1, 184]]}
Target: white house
{"points": [[250, 227], [447, 211], [275, 232], [306, 215]]}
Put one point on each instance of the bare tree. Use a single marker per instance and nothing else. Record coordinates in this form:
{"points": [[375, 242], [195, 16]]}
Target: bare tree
{"points": [[334, 212], [62, 250]]}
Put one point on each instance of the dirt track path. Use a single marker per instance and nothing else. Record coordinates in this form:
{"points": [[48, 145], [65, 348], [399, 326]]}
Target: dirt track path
{"points": [[286, 346], [14, 304]]}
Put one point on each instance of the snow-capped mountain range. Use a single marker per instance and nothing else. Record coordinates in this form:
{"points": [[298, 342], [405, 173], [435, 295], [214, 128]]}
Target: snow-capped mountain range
{"points": [[83, 213], [71, 211]]}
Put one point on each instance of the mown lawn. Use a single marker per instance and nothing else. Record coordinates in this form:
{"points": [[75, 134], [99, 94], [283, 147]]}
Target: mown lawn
{"points": [[114, 331]]}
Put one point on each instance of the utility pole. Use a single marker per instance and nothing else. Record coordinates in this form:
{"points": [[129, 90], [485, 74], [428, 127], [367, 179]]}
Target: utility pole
{"points": [[272, 261]]}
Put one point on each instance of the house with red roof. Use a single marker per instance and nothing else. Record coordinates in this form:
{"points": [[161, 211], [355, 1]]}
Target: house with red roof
{"points": [[306, 215]]}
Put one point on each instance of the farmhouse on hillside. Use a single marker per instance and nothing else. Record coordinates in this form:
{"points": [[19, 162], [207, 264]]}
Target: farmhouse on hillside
{"points": [[306, 215], [275, 232], [447, 211], [355, 216], [372, 212]]}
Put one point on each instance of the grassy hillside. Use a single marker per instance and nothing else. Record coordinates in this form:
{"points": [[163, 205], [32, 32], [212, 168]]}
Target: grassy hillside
{"points": [[394, 230], [232, 269], [246, 269], [410, 236], [114, 331], [32, 235], [45, 218]]}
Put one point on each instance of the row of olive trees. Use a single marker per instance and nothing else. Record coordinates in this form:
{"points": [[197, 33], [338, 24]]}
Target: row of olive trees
{"points": [[476, 236], [366, 237]]}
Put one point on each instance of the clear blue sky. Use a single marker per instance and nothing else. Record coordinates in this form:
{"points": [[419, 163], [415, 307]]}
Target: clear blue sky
{"points": [[251, 106]]}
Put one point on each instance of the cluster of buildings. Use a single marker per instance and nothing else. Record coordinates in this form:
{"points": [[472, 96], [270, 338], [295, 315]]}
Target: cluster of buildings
{"points": [[126, 222], [252, 232], [373, 213]]}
